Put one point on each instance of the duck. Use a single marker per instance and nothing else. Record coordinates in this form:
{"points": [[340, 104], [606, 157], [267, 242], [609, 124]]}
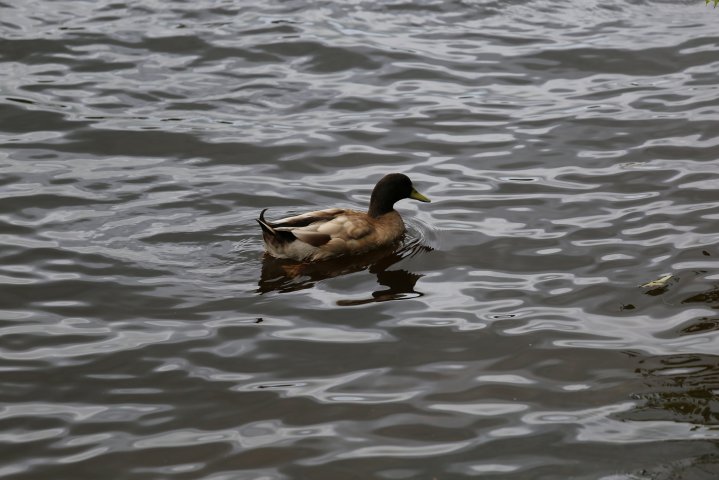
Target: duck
{"points": [[339, 232]]}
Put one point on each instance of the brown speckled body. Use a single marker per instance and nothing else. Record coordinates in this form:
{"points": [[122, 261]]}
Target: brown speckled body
{"points": [[349, 231]]}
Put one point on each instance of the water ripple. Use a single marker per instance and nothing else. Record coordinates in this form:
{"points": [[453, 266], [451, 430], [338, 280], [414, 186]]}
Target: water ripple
{"points": [[554, 306]]}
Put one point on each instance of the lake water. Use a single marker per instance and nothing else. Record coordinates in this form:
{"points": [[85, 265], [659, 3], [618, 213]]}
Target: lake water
{"points": [[571, 150]]}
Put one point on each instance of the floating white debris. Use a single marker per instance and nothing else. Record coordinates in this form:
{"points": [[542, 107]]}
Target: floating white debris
{"points": [[659, 282]]}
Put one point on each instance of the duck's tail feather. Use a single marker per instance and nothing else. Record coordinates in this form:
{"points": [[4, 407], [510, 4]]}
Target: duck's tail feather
{"points": [[266, 227], [270, 234]]}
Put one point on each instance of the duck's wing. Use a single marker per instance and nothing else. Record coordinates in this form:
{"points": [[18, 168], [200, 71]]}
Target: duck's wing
{"points": [[320, 234], [305, 227], [306, 219], [350, 226]]}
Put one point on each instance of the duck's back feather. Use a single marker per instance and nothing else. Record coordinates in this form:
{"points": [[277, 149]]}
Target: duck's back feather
{"points": [[308, 218]]}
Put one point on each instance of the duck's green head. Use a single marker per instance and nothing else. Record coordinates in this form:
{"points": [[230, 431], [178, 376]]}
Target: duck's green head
{"points": [[390, 189]]}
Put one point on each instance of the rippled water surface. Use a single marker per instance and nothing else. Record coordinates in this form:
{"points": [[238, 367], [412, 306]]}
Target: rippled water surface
{"points": [[571, 151]]}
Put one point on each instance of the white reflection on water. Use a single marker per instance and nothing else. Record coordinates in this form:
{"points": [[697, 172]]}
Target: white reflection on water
{"points": [[597, 425]]}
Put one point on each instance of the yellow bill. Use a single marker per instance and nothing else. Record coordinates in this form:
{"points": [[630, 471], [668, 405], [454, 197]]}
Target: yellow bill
{"points": [[418, 196]]}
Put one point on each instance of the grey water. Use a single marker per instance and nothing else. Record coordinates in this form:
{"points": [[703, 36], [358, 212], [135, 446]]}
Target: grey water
{"points": [[571, 152]]}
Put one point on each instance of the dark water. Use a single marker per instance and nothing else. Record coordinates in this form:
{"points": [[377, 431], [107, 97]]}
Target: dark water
{"points": [[571, 150]]}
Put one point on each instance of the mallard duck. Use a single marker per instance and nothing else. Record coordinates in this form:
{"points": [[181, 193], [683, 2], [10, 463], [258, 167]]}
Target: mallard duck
{"points": [[336, 232]]}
